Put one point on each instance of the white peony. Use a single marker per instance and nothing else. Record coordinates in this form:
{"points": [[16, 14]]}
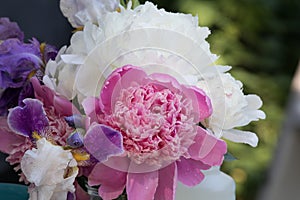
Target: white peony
{"points": [[80, 12], [231, 108], [51, 170], [160, 41]]}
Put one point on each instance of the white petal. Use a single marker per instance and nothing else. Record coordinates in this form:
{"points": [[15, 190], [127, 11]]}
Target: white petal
{"points": [[241, 136], [72, 59], [79, 12], [215, 186], [45, 167]]}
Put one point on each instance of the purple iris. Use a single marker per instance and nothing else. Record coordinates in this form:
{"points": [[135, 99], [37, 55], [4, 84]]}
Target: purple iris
{"points": [[28, 119], [19, 61], [10, 29]]}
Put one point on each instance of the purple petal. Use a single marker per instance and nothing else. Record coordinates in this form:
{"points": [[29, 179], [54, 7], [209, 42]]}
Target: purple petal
{"points": [[141, 185], [76, 121], [49, 53], [10, 30], [18, 61], [25, 120], [189, 171], [103, 142], [75, 140], [167, 183]]}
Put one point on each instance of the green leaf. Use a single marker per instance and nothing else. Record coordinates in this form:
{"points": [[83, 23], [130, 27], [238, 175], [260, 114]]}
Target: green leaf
{"points": [[135, 3], [123, 3]]}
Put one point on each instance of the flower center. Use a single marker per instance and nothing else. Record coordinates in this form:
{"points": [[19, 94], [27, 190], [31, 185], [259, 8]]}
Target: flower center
{"points": [[154, 122]]}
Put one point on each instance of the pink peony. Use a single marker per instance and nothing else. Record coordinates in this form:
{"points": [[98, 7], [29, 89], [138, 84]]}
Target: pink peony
{"points": [[158, 119]]}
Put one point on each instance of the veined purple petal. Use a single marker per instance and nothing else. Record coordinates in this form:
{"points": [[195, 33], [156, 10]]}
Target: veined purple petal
{"points": [[25, 120], [10, 29], [76, 121], [75, 140], [103, 142]]}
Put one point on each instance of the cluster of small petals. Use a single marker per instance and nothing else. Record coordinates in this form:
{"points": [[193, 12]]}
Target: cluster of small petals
{"points": [[58, 129], [154, 122]]}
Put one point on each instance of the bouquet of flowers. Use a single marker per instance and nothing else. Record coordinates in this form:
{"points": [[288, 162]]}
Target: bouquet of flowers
{"points": [[133, 105]]}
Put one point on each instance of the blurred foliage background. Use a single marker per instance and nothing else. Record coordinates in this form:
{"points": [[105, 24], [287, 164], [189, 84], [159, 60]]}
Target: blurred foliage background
{"points": [[261, 40]]}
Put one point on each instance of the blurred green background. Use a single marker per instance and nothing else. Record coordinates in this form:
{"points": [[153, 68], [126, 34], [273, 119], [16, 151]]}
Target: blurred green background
{"points": [[261, 40]]}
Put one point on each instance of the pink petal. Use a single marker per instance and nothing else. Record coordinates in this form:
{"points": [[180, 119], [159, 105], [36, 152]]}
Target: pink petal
{"points": [[43, 93], [207, 148], [63, 106], [141, 185], [108, 193], [189, 171], [8, 139], [49, 98], [202, 103], [120, 78], [112, 181], [168, 81], [167, 183]]}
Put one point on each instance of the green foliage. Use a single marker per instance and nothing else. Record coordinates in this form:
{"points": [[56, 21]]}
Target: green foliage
{"points": [[135, 3], [260, 39]]}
